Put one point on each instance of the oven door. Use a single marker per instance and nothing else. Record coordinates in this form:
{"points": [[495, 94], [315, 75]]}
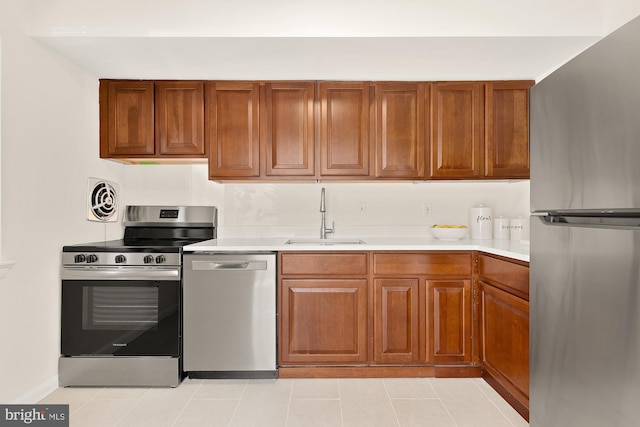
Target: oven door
{"points": [[120, 313]]}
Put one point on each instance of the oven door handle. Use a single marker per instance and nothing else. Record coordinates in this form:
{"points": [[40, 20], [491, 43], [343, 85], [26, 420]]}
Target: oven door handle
{"points": [[120, 273]]}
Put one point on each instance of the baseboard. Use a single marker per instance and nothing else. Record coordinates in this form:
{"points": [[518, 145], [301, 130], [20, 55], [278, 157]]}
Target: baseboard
{"points": [[38, 393], [423, 371]]}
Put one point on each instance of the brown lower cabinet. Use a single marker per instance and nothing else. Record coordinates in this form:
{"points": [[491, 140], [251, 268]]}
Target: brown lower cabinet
{"points": [[396, 321], [504, 328], [323, 308], [375, 314], [450, 322], [324, 321]]}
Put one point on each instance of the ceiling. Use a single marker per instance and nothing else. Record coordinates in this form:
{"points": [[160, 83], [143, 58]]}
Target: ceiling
{"points": [[317, 58], [334, 40]]}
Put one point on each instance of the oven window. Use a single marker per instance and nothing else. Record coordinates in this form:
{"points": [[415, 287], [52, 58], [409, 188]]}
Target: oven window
{"points": [[120, 308]]}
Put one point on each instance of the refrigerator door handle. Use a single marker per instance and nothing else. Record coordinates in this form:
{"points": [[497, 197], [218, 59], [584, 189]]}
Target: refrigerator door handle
{"points": [[540, 213], [626, 221]]}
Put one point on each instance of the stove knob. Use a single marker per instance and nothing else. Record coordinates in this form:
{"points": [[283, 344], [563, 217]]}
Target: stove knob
{"points": [[160, 259], [148, 259], [79, 258], [92, 258], [120, 259]]}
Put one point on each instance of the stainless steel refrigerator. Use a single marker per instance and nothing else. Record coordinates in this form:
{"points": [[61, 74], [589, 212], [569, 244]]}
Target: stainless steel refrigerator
{"points": [[585, 238]]}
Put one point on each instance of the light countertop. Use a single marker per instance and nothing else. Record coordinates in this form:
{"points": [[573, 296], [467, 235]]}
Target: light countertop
{"points": [[507, 248]]}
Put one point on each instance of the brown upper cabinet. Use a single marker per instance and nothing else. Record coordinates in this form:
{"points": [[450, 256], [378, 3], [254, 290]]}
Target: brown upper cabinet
{"points": [[180, 118], [307, 130], [507, 129], [233, 130], [260, 130], [287, 129], [126, 119], [143, 119], [400, 130], [344, 129], [480, 130], [458, 120]]}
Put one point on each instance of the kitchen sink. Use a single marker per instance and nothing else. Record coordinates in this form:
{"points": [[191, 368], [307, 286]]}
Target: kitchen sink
{"points": [[311, 241]]}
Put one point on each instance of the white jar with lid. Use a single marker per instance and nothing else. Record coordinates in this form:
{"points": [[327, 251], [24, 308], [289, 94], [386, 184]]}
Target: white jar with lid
{"points": [[501, 228], [481, 221], [519, 228]]}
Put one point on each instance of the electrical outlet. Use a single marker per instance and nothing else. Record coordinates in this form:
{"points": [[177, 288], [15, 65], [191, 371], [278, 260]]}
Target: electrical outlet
{"points": [[362, 208], [426, 209]]}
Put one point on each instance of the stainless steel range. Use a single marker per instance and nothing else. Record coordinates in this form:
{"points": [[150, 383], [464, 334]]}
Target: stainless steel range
{"points": [[121, 300]]}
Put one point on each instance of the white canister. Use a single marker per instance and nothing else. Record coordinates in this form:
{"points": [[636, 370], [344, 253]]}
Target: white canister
{"points": [[519, 228], [501, 228], [481, 223]]}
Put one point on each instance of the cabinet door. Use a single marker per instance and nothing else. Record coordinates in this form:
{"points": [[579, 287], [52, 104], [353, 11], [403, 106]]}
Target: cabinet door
{"points": [[396, 321], [507, 129], [323, 321], [505, 340], [458, 130], [344, 129], [126, 118], [180, 118], [400, 129], [233, 132], [287, 127], [450, 321]]}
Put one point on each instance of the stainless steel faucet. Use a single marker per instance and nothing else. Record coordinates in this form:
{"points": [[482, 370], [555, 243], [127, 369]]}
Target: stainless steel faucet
{"points": [[323, 226]]}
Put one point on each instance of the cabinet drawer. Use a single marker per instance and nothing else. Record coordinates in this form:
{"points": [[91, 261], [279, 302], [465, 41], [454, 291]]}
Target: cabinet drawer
{"points": [[439, 263], [509, 276], [308, 264]]}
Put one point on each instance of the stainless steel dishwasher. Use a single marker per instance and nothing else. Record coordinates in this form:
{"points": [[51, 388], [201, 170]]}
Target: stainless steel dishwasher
{"points": [[229, 315]]}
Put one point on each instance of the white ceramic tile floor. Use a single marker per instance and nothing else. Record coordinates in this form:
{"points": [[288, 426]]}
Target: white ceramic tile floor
{"points": [[433, 402]]}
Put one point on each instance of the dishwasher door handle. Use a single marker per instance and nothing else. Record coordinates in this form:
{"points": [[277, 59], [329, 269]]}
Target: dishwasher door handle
{"points": [[229, 265]]}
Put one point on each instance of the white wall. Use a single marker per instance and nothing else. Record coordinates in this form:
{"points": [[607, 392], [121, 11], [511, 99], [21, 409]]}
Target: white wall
{"points": [[1, 259], [170, 184], [49, 148]]}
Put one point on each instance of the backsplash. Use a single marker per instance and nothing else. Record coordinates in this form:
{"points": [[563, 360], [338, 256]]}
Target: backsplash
{"points": [[365, 208], [283, 209]]}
